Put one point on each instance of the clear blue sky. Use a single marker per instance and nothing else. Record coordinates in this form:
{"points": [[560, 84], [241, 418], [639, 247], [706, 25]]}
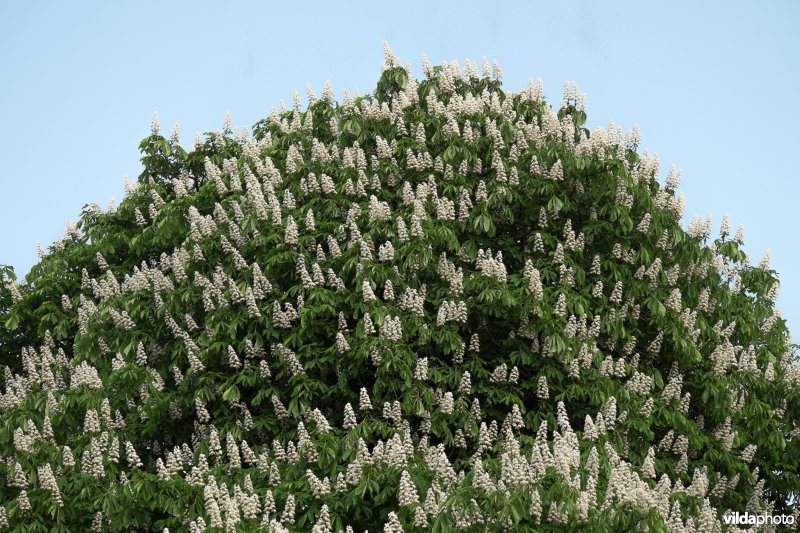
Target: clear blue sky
{"points": [[712, 85]]}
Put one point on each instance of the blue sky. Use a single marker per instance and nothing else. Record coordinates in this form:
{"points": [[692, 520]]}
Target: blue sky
{"points": [[712, 86]]}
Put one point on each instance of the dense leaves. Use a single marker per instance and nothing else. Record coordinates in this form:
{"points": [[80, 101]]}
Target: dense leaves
{"points": [[439, 306]]}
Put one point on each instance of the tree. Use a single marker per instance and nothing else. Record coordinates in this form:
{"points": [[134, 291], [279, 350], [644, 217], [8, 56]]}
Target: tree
{"points": [[439, 306]]}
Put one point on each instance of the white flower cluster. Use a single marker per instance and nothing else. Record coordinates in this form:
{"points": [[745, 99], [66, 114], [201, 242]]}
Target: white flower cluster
{"points": [[451, 312], [85, 374], [491, 266], [572, 96], [391, 328]]}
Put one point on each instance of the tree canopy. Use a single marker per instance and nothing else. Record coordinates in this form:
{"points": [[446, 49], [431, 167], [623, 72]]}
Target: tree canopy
{"points": [[440, 306]]}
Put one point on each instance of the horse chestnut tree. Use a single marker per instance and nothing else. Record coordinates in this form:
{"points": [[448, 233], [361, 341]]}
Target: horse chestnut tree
{"points": [[441, 306]]}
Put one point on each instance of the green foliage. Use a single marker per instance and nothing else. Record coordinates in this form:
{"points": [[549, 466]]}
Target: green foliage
{"points": [[539, 320]]}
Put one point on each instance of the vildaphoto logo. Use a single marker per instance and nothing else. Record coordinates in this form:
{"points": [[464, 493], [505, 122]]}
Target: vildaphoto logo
{"points": [[740, 519]]}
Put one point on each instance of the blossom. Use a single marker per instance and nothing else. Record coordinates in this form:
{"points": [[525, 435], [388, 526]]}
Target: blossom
{"points": [[364, 403], [541, 389], [393, 524], [85, 375], [764, 263], [291, 235], [421, 369], [408, 493], [572, 96], [391, 328]]}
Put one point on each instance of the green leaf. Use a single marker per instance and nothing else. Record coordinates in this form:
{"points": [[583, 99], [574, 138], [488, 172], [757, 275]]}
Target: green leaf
{"points": [[231, 394]]}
